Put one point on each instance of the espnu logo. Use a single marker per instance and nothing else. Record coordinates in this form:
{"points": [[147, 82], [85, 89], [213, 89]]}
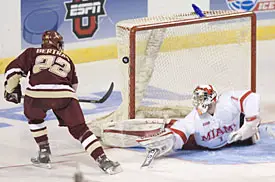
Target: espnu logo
{"points": [[251, 5], [84, 15]]}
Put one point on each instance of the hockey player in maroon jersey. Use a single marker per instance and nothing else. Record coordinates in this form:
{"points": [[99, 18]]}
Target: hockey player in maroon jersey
{"points": [[52, 85]]}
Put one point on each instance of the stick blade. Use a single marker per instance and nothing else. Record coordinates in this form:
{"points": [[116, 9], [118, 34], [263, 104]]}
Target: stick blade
{"points": [[106, 96], [151, 155]]}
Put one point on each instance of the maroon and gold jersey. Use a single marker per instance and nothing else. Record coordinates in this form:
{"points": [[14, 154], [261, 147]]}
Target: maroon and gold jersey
{"points": [[51, 73]]}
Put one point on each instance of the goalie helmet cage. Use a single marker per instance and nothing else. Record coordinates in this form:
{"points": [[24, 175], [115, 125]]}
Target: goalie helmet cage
{"points": [[163, 58]]}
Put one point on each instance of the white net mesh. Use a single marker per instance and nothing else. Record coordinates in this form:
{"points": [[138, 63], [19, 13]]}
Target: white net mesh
{"points": [[170, 62]]}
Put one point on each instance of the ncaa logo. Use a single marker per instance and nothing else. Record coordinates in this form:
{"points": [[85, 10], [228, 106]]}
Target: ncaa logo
{"points": [[84, 15], [245, 5]]}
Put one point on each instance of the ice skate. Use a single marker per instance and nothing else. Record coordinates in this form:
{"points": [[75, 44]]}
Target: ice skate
{"points": [[108, 166], [43, 159]]}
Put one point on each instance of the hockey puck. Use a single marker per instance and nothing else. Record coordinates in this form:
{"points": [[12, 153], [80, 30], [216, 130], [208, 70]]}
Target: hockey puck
{"points": [[125, 60], [37, 22]]}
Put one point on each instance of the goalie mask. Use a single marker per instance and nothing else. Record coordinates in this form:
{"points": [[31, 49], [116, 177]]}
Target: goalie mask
{"points": [[202, 97], [51, 39]]}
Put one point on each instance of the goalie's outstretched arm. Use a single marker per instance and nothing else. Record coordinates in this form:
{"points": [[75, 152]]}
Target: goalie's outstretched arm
{"points": [[248, 103]]}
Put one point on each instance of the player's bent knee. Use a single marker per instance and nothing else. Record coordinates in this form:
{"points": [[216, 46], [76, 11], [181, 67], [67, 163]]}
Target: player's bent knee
{"points": [[79, 130]]}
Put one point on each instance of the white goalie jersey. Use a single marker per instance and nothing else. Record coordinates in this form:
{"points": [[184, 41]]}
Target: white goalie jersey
{"points": [[213, 131]]}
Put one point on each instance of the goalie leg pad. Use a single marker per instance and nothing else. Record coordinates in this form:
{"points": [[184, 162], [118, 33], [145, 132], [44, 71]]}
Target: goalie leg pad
{"points": [[164, 141], [125, 133]]}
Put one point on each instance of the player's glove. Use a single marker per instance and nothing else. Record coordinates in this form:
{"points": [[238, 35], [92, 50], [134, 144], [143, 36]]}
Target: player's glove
{"points": [[15, 96]]}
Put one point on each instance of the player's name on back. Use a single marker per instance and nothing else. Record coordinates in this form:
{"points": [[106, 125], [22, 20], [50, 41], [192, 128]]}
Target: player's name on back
{"points": [[51, 51]]}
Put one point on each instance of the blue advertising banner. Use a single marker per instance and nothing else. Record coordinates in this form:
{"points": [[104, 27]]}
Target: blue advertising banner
{"points": [[76, 20], [265, 9]]}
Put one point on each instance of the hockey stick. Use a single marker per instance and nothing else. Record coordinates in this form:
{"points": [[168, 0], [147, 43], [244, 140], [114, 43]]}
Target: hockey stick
{"points": [[151, 155], [103, 99]]}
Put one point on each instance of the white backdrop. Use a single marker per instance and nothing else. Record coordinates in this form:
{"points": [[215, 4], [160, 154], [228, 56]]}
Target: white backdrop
{"points": [[10, 28], [157, 7]]}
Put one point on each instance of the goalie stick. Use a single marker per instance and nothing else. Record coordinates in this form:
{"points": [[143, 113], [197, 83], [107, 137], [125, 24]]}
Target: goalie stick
{"points": [[151, 155], [103, 99]]}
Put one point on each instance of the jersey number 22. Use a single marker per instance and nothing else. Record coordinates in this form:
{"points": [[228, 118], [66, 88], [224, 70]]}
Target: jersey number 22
{"points": [[55, 65]]}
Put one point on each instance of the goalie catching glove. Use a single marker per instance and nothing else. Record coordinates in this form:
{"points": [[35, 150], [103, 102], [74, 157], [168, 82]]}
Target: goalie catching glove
{"points": [[14, 96], [163, 141]]}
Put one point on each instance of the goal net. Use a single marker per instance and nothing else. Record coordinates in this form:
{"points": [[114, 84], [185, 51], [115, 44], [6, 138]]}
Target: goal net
{"points": [[163, 58]]}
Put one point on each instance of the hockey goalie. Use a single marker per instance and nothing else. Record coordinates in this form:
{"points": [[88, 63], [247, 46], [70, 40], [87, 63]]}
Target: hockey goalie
{"points": [[214, 122]]}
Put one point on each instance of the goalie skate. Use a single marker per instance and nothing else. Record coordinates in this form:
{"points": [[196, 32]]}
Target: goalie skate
{"points": [[151, 155]]}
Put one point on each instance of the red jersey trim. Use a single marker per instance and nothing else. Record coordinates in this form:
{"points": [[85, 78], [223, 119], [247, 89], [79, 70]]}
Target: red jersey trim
{"points": [[243, 98], [180, 133]]}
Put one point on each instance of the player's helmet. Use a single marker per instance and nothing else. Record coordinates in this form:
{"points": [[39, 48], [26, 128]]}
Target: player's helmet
{"points": [[52, 38], [203, 96]]}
